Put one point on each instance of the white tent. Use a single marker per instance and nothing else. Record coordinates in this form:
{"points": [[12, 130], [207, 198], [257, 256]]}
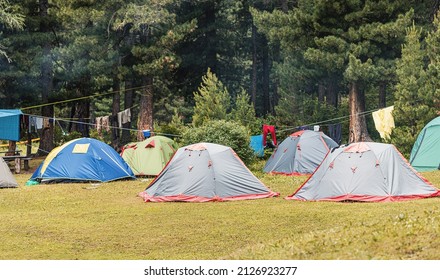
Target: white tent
{"points": [[205, 172], [365, 171]]}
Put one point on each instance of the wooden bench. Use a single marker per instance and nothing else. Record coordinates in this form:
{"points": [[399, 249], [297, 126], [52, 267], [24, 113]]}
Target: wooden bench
{"points": [[18, 159]]}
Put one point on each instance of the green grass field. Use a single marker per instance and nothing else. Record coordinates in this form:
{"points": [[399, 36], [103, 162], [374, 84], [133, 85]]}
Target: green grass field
{"points": [[108, 221]]}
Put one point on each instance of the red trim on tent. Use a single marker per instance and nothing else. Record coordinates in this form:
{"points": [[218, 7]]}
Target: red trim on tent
{"points": [[323, 142], [244, 165], [415, 171], [298, 133], [360, 147], [127, 147], [151, 144], [289, 174], [311, 175], [371, 198], [192, 198], [160, 173], [172, 148], [197, 147]]}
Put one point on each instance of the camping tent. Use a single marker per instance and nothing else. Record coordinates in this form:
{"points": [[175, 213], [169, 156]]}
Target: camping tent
{"points": [[425, 154], [83, 159], [365, 171], [7, 180], [205, 172], [300, 153], [150, 156]]}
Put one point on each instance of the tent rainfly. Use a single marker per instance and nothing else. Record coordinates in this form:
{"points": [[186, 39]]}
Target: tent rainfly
{"points": [[365, 171], [83, 159], [149, 157], [300, 153], [205, 172], [425, 154]]}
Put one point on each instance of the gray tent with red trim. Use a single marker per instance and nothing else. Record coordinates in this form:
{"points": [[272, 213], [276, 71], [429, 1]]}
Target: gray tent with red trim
{"points": [[365, 171], [205, 172], [300, 153]]}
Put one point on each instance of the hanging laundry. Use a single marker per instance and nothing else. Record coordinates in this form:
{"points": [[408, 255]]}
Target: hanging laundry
{"points": [[269, 129], [257, 145], [99, 125], [105, 122], [384, 121], [32, 124], [124, 117], [39, 123], [335, 132], [46, 122]]}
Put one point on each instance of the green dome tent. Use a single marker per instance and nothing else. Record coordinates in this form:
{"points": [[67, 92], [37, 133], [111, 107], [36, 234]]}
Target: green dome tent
{"points": [[425, 154], [149, 157]]}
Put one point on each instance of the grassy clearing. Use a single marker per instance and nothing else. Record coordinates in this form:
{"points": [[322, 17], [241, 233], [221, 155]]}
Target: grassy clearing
{"points": [[109, 221]]}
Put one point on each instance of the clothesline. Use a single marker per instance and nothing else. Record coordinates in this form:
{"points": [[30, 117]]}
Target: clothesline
{"points": [[94, 125], [329, 120], [83, 97], [343, 118]]}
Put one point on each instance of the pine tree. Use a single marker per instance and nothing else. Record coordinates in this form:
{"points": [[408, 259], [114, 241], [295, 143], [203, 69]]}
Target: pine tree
{"points": [[433, 50], [413, 106], [340, 45], [212, 100], [9, 19], [155, 33], [244, 112]]}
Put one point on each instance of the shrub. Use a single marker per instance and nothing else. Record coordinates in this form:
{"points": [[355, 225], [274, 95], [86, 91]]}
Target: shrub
{"points": [[225, 133]]}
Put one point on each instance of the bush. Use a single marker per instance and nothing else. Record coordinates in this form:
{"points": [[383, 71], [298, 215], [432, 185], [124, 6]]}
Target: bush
{"points": [[225, 133]]}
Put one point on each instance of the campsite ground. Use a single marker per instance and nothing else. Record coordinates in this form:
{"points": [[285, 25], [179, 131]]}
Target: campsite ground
{"points": [[109, 221]]}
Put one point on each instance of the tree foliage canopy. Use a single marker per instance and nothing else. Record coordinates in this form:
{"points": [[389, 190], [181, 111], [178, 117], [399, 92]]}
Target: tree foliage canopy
{"points": [[290, 62]]}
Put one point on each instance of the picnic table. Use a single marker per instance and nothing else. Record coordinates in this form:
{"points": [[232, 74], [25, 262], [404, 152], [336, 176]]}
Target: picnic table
{"points": [[18, 160]]}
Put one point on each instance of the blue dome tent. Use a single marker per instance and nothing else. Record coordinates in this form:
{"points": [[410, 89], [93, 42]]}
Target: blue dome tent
{"points": [[83, 159]]}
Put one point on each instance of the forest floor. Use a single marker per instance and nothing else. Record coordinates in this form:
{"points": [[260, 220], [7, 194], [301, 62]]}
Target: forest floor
{"points": [[109, 221]]}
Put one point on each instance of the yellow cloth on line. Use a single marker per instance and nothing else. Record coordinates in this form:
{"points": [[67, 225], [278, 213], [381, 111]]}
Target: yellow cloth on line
{"points": [[384, 121]]}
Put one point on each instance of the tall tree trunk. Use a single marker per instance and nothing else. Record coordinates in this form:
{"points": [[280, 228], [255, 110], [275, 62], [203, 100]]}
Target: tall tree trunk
{"points": [[332, 94], [211, 34], [266, 77], [284, 6], [382, 95], [47, 134], [254, 66], [46, 139], [12, 146], [358, 125], [116, 108], [321, 93], [80, 114], [128, 103], [145, 119]]}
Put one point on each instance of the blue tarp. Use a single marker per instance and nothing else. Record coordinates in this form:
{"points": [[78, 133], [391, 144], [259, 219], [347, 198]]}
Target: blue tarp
{"points": [[257, 145], [10, 124]]}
